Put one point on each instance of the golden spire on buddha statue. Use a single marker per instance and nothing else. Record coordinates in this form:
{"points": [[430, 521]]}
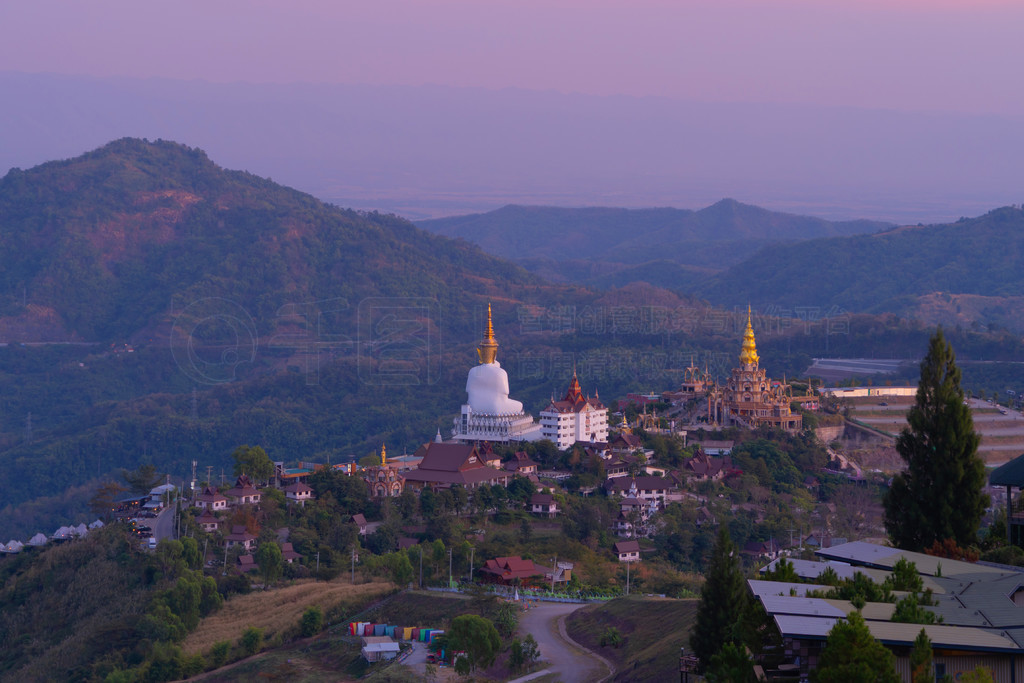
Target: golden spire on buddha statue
{"points": [[383, 455], [748, 356], [489, 348]]}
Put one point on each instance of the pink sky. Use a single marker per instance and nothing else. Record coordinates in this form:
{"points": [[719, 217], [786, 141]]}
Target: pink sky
{"points": [[961, 55]]}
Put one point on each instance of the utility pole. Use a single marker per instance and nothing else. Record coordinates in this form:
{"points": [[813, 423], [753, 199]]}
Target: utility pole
{"points": [[554, 568], [449, 567], [627, 576], [353, 565], [317, 566], [225, 573], [421, 565], [205, 543], [471, 551]]}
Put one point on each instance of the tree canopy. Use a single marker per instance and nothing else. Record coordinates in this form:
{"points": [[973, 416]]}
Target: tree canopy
{"points": [[723, 602], [939, 494], [253, 461], [852, 655]]}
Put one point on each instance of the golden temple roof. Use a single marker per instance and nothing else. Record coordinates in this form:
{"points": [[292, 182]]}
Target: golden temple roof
{"points": [[488, 350], [748, 356]]}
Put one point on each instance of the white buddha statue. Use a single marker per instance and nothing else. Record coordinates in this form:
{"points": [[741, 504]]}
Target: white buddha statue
{"points": [[487, 383]]}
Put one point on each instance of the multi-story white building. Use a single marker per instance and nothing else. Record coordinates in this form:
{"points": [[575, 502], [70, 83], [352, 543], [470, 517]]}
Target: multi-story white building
{"points": [[575, 418]]}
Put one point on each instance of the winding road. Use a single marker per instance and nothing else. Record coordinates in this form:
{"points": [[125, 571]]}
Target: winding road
{"points": [[565, 658]]}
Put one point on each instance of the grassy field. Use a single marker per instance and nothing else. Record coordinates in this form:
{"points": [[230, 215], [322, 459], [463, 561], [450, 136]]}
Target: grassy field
{"points": [[278, 611], [653, 630]]}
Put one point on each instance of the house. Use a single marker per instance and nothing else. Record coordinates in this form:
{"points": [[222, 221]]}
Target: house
{"points": [[509, 570], [627, 551], [247, 563], [211, 499], [521, 464], [762, 550], [642, 488], [447, 464], [288, 553], [490, 458], [625, 443], [360, 522], [240, 536], [298, 493], [243, 492], [705, 467], [576, 418], [378, 648], [543, 504], [207, 521]]}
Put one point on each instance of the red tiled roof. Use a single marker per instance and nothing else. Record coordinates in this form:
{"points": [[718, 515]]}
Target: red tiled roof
{"points": [[509, 568], [627, 547]]}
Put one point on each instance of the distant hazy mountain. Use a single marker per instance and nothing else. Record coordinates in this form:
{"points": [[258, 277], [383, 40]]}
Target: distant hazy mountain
{"points": [[964, 273], [613, 246], [432, 151]]}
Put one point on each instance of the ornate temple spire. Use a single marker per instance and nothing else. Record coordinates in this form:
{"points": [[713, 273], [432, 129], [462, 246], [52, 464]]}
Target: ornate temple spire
{"points": [[748, 356], [488, 350], [383, 455], [574, 392]]}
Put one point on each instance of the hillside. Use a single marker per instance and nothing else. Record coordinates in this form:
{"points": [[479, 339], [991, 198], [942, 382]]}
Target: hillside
{"points": [[611, 239], [115, 243], [965, 273]]}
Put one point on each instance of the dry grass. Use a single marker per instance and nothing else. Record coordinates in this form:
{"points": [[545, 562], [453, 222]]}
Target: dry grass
{"points": [[278, 610]]}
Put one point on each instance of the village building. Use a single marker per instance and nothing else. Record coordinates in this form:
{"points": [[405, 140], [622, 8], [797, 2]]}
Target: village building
{"points": [[627, 551], [243, 492], [288, 553], [240, 536], [489, 414], [207, 521], [298, 493], [447, 464], [521, 464], [246, 563], [360, 521], [644, 489], [211, 499], [574, 418], [749, 399], [543, 504]]}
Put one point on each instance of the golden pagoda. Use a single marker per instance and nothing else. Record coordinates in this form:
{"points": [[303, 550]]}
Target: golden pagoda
{"points": [[748, 356], [488, 349], [749, 398]]}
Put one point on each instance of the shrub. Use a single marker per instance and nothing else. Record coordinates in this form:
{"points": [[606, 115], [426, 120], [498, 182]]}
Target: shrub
{"points": [[312, 621], [251, 640]]}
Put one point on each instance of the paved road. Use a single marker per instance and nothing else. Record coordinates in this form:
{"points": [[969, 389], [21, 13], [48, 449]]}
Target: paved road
{"points": [[163, 524], [568, 662]]}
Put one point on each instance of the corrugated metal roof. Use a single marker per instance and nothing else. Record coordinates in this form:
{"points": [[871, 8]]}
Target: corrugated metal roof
{"points": [[816, 607], [1009, 474], [763, 588]]}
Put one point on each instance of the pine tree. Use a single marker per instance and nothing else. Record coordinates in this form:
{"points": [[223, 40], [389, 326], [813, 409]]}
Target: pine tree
{"points": [[723, 602], [852, 655], [939, 495], [921, 659]]}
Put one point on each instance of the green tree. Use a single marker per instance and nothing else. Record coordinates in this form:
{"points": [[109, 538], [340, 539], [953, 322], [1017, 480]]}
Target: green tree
{"points": [[251, 640], [254, 462], [939, 495], [312, 621], [477, 637], [852, 655], [731, 664], [219, 653], [141, 480], [921, 659], [271, 562], [723, 602]]}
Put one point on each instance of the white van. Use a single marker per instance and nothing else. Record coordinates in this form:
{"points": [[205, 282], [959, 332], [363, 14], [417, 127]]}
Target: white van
{"points": [[152, 543]]}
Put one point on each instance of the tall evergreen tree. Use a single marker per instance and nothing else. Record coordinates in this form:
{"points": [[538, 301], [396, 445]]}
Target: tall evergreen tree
{"points": [[939, 495], [852, 655], [921, 659], [723, 602]]}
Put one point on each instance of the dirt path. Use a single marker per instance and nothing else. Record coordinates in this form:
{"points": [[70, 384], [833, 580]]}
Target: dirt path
{"points": [[567, 659]]}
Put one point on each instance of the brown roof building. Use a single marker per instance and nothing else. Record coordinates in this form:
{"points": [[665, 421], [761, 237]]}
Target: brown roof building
{"points": [[447, 464], [243, 492]]}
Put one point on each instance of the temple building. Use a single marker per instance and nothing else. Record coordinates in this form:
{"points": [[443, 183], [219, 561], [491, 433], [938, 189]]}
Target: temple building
{"points": [[749, 399], [384, 480], [575, 418], [489, 414]]}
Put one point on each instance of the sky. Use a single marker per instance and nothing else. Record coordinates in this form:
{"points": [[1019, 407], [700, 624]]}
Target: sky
{"points": [[911, 55]]}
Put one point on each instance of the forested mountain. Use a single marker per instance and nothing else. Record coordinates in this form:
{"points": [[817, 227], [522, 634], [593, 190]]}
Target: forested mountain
{"points": [[966, 273], [665, 247]]}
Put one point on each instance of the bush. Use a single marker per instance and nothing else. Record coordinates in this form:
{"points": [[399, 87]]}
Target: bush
{"points": [[252, 640], [611, 637], [219, 654], [312, 621]]}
